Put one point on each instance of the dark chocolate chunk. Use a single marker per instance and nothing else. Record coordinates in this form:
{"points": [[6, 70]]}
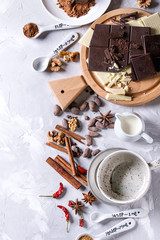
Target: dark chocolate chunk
{"points": [[134, 78], [156, 62], [96, 59], [100, 36], [118, 22], [136, 41], [132, 16], [152, 45], [143, 66]]}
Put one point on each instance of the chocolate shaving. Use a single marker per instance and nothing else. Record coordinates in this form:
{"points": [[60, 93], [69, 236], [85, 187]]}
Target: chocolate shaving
{"points": [[132, 16], [118, 22]]}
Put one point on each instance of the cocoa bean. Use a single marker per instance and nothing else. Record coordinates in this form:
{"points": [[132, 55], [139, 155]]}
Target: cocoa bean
{"points": [[92, 106], [92, 122], [86, 118], [93, 134], [93, 129], [111, 125], [98, 101], [88, 140], [75, 110], [74, 149], [87, 153], [100, 125], [57, 110], [84, 106], [95, 152], [65, 123]]}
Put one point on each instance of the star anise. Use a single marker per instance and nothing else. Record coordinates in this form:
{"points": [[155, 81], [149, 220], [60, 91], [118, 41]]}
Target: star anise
{"points": [[77, 205], [143, 3], [105, 118], [89, 198]]}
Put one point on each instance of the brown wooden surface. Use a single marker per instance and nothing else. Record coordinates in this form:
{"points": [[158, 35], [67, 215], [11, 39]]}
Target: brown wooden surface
{"points": [[143, 91]]}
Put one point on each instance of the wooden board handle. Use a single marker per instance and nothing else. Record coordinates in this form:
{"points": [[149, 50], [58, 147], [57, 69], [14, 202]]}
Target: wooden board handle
{"points": [[66, 90]]}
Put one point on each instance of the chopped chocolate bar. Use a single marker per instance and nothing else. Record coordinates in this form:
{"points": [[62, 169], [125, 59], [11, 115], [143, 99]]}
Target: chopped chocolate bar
{"points": [[136, 41], [142, 66], [152, 45], [96, 59], [100, 36], [119, 46]]}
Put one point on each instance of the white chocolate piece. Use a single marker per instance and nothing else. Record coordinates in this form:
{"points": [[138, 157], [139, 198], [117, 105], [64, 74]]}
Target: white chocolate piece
{"points": [[115, 90], [85, 40], [111, 79], [119, 97], [126, 89], [136, 23], [153, 22]]}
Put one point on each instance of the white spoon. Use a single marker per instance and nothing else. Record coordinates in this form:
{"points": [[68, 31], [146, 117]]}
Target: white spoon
{"points": [[134, 213], [40, 64], [60, 26], [121, 227]]}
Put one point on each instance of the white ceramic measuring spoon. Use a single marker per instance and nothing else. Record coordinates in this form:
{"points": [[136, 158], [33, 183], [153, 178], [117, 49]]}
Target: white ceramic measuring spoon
{"points": [[60, 26], [134, 213], [40, 64], [121, 227]]}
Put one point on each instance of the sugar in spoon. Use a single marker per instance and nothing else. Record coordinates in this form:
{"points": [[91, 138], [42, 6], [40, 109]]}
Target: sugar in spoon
{"points": [[134, 213], [121, 227], [40, 64], [41, 29]]}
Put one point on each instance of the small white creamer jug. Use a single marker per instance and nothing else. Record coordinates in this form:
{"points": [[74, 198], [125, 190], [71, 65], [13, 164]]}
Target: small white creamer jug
{"points": [[130, 127]]}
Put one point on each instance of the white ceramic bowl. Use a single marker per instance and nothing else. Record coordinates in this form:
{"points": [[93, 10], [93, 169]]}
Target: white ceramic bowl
{"points": [[123, 177], [59, 15]]}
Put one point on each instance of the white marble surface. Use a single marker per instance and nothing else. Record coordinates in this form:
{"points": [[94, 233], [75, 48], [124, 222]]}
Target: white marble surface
{"points": [[26, 114]]}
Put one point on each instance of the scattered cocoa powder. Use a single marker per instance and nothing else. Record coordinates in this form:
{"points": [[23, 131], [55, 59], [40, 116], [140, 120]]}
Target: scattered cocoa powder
{"points": [[74, 9], [30, 30]]}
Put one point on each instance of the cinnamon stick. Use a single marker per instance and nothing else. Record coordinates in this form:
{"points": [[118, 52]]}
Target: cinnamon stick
{"points": [[53, 145], [63, 173], [67, 167], [70, 154], [70, 134]]}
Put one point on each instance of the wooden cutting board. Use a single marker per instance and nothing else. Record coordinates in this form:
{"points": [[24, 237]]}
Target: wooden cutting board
{"points": [[66, 90], [143, 91]]}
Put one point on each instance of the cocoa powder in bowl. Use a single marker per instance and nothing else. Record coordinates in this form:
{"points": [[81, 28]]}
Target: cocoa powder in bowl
{"points": [[74, 9], [30, 30]]}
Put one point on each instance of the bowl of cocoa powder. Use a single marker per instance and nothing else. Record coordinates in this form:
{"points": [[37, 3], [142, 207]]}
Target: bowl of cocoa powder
{"points": [[78, 12]]}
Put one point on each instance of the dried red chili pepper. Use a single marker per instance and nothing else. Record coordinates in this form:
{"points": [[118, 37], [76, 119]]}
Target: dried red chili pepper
{"points": [[66, 214], [81, 222], [81, 170], [56, 194]]}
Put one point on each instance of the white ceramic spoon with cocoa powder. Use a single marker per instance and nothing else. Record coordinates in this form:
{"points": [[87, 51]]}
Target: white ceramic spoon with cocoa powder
{"points": [[33, 30], [121, 227]]}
